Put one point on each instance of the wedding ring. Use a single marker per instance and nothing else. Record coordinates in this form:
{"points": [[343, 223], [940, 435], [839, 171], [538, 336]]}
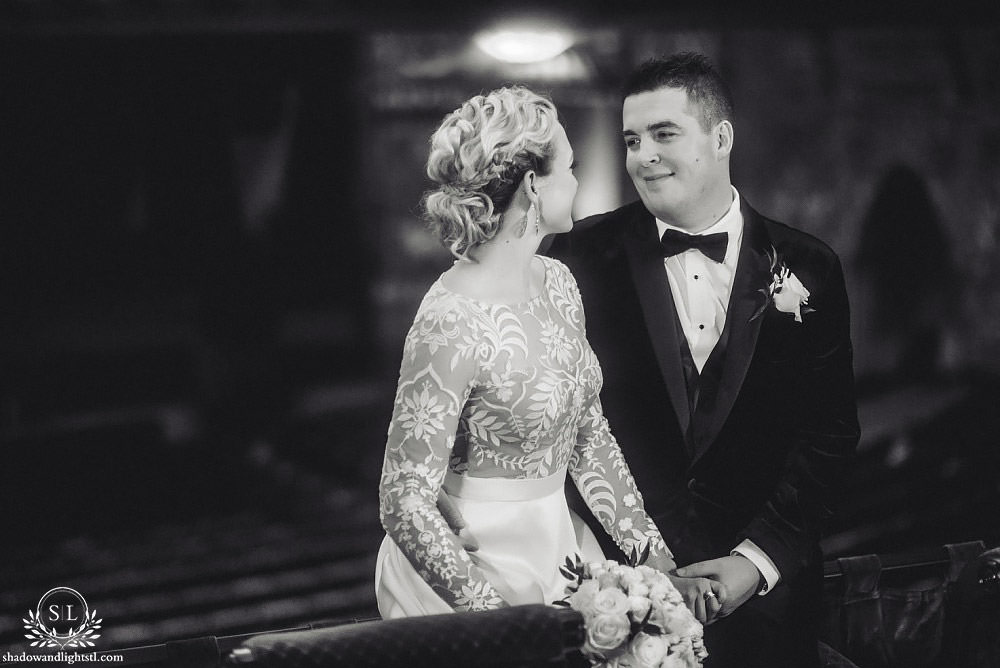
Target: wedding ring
{"points": [[709, 594]]}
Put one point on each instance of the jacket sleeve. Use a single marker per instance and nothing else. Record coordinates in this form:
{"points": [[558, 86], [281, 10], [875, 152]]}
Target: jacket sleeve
{"points": [[824, 437]]}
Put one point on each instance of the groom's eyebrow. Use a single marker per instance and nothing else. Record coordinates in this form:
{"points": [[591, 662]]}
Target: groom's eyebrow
{"points": [[652, 127], [663, 124]]}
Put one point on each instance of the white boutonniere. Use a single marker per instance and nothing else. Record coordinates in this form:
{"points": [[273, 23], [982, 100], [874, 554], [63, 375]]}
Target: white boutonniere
{"points": [[786, 291]]}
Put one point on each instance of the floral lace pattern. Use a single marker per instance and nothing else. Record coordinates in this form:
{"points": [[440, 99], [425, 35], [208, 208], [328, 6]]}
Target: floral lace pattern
{"points": [[496, 390]]}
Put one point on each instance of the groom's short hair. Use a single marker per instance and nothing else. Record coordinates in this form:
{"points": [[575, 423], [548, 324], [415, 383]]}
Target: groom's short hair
{"points": [[695, 74]]}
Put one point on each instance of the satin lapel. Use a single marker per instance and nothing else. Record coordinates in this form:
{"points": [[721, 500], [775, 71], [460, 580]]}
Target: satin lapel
{"points": [[646, 264], [752, 274]]}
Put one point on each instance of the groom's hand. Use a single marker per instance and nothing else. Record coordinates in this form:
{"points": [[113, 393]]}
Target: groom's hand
{"points": [[703, 597], [737, 573], [454, 518]]}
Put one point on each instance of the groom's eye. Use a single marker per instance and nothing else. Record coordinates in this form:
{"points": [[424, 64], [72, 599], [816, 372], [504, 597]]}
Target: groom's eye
{"points": [[631, 142]]}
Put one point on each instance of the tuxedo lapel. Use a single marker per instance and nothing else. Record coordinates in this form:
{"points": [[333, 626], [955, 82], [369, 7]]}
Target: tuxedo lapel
{"points": [[739, 336], [645, 261]]}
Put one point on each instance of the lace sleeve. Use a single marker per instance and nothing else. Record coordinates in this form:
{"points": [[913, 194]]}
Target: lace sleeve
{"points": [[600, 472], [436, 376]]}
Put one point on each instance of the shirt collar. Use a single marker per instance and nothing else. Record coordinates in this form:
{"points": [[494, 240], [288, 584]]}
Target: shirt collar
{"points": [[731, 222]]}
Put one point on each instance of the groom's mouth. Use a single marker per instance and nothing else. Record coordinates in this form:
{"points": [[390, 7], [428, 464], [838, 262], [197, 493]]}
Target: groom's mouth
{"points": [[657, 177]]}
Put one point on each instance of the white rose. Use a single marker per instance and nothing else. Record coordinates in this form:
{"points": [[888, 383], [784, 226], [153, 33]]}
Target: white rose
{"points": [[610, 602], [791, 296], [676, 661], [675, 619], [607, 632], [639, 606], [638, 589], [630, 577], [580, 599], [648, 650], [660, 591], [608, 580], [682, 655]]}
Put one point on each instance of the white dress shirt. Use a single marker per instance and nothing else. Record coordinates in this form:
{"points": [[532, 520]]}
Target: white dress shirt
{"points": [[701, 288]]}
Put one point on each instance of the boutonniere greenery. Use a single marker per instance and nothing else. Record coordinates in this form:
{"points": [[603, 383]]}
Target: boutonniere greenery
{"points": [[786, 291]]}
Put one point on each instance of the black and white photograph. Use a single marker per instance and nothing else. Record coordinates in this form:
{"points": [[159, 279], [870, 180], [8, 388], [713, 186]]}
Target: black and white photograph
{"points": [[552, 334]]}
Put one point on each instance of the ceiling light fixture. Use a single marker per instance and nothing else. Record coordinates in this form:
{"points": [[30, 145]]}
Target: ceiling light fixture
{"points": [[524, 46]]}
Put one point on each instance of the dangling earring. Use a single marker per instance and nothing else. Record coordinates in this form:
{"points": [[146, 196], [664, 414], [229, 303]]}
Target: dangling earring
{"points": [[524, 221], [538, 218]]}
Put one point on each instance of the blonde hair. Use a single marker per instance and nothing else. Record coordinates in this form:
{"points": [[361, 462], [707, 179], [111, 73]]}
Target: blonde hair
{"points": [[479, 156]]}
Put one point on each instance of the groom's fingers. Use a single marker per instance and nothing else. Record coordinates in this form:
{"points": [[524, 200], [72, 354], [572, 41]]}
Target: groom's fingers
{"points": [[702, 569], [448, 509], [721, 592], [715, 597], [468, 541]]}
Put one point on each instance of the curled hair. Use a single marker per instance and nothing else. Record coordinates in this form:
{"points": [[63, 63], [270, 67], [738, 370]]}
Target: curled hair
{"points": [[479, 156], [695, 74]]}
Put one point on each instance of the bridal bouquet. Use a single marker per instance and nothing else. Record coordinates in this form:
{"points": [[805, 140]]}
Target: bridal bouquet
{"points": [[633, 615]]}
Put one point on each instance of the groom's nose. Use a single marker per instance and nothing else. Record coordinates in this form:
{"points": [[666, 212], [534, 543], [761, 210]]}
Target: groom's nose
{"points": [[648, 156]]}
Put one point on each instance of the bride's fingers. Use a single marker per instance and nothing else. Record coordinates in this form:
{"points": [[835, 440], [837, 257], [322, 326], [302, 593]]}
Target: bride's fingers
{"points": [[690, 598], [699, 607]]}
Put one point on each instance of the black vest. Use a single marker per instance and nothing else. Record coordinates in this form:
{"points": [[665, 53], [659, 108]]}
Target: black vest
{"points": [[702, 388]]}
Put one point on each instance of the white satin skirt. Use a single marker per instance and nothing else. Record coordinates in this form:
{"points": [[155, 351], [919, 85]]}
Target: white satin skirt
{"points": [[525, 532]]}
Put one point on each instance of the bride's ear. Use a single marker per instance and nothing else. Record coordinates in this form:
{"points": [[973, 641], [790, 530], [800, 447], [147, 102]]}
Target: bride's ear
{"points": [[529, 186]]}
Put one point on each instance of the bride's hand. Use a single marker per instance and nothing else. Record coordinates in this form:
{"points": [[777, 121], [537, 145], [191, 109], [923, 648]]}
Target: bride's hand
{"points": [[662, 563], [703, 597]]}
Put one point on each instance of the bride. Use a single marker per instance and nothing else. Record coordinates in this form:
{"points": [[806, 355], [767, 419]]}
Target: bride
{"points": [[498, 389]]}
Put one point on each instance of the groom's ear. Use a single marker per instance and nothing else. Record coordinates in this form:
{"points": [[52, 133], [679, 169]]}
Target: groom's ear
{"points": [[723, 139]]}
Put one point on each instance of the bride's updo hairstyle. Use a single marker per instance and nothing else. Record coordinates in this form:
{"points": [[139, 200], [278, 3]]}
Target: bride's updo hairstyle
{"points": [[479, 157]]}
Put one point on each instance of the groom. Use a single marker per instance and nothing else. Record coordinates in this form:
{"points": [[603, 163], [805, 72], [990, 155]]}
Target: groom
{"points": [[724, 339]]}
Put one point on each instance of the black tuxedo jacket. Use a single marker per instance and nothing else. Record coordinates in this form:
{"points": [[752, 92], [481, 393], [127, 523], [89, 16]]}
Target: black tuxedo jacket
{"points": [[762, 453]]}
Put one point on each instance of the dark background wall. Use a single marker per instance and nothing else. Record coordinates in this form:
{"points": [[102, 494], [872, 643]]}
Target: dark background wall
{"points": [[210, 252]]}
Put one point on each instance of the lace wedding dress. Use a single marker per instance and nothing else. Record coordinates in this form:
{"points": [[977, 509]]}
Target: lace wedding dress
{"points": [[498, 403]]}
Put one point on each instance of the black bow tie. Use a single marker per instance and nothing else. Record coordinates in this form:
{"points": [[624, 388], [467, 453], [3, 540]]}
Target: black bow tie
{"points": [[712, 246]]}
